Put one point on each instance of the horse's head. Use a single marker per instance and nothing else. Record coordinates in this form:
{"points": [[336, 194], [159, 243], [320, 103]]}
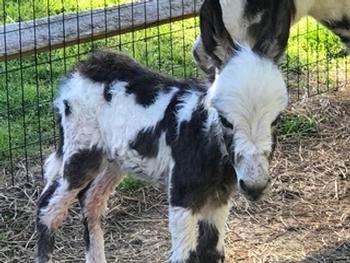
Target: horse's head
{"points": [[250, 93]]}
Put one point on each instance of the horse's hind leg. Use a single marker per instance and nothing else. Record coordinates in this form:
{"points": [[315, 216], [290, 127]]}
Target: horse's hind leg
{"points": [[93, 202], [67, 180]]}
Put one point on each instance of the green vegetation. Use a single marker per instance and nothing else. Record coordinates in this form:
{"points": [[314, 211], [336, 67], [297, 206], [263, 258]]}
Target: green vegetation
{"points": [[297, 126], [22, 10], [316, 59], [129, 183]]}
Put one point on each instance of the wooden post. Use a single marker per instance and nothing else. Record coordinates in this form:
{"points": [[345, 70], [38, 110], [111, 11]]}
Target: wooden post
{"points": [[63, 30]]}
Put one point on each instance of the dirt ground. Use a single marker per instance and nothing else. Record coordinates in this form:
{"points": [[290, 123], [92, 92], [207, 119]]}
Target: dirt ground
{"points": [[305, 217]]}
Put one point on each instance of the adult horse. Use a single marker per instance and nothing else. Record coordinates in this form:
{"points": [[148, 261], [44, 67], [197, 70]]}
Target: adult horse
{"points": [[264, 25]]}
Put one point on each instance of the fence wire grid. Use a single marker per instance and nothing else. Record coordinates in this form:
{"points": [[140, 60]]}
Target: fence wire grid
{"points": [[157, 33]]}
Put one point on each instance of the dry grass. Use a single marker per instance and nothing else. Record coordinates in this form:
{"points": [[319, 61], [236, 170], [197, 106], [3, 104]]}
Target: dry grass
{"points": [[304, 218]]}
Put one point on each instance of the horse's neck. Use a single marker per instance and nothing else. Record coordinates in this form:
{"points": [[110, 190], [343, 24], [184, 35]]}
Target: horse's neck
{"points": [[322, 10], [303, 8]]}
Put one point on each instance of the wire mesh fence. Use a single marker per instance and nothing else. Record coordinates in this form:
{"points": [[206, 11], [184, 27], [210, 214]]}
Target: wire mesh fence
{"points": [[157, 33]]}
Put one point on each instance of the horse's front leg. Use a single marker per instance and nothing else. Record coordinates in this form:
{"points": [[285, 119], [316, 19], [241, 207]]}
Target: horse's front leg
{"points": [[183, 228]]}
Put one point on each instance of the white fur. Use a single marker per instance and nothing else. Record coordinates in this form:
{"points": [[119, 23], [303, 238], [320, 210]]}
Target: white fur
{"points": [[186, 108], [96, 253], [183, 226], [81, 127], [52, 166], [232, 16], [127, 124], [216, 216], [251, 102], [54, 214], [94, 122]]}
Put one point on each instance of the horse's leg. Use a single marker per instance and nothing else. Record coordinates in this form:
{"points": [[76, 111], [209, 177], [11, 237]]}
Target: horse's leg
{"points": [[68, 178], [183, 224], [93, 201], [211, 234]]}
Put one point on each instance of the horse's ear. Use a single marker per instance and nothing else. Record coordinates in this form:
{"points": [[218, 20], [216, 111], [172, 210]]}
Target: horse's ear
{"points": [[274, 36], [215, 37]]}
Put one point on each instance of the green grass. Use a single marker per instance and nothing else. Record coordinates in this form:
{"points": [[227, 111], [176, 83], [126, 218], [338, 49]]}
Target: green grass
{"points": [[129, 183], [297, 126], [316, 58], [20, 10]]}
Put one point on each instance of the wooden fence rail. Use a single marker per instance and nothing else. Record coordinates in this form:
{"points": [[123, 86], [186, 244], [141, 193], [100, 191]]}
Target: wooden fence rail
{"points": [[39, 35]]}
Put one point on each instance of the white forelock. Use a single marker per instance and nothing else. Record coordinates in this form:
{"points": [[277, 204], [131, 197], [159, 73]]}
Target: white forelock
{"points": [[250, 92]]}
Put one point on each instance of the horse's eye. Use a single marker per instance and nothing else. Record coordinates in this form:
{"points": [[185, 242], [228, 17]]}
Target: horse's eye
{"points": [[267, 154], [239, 157]]}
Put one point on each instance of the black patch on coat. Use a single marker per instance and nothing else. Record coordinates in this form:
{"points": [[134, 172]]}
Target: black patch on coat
{"points": [[86, 233], [45, 244], [335, 25], [46, 238], [107, 92], [108, 67], [82, 198], [143, 94], [214, 34], [146, 142], [67, 108], [169, 123], [61, 134], [193, 258], [343, 23], [202, 171], [274, 136], [208, 238], [272, 32], [82, 166], [82, 194], [344, 39], [225, 122], [47, 195]]}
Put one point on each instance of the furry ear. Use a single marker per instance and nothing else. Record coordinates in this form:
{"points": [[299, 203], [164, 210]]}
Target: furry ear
{"points": [[215, 37], [273, 38], [202, 59]]}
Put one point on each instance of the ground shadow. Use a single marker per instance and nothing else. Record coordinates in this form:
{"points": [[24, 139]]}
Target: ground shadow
{"points": [[337, 253]]}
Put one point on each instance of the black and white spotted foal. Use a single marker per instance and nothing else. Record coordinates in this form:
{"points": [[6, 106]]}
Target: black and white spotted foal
{"points": [[116, 116]]}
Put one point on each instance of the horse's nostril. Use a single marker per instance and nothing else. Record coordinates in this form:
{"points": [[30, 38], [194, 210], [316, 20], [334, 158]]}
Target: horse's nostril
{"points": [[253, 192], [243, 186]]}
